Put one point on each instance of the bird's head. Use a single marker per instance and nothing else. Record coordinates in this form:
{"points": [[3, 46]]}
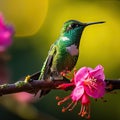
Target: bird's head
{"points": [[75, 27]]}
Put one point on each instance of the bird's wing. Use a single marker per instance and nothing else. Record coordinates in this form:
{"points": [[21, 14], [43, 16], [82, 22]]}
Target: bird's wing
{"points": [[45, 71]]}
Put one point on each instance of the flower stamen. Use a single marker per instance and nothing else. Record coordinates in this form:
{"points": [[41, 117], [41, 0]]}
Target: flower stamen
{"points": [[75, 103], [62, 100], [69, 105], [85, 111], [91, 83]]}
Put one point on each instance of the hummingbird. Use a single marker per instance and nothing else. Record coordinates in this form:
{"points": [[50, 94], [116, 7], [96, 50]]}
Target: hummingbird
{"points": [[64, 52]]}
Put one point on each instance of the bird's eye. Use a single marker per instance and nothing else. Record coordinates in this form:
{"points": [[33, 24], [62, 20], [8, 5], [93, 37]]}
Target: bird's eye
{"points": [[73, 25]]}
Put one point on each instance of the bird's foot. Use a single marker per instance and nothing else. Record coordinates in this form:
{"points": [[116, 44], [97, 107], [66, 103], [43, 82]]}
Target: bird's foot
{"points": [[66, 74], [28, 79]]}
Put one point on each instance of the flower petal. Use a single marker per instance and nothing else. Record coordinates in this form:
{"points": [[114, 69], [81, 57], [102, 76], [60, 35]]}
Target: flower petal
{"points": [[81, 74], [97, 73], [77, 93], [85, 99], [97, 90]]}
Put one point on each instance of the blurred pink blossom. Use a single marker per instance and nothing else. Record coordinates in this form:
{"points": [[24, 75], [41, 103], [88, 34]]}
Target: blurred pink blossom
{"points": [[24, 97], [6, 34]]}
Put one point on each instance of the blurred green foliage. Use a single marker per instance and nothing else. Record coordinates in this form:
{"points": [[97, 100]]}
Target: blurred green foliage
{"points": [[38, 24]]}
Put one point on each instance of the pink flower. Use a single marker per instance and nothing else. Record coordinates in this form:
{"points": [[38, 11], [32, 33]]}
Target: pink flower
{"points": [[88, 83], [24, 97], [6, 33]]}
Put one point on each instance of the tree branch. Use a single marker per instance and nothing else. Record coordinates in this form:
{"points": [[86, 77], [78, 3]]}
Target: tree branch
{"points": [[30, 87], [112, 85], [33, 85]]}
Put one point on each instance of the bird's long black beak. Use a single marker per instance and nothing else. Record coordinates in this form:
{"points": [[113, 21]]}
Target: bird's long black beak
{"points": [[92, 23]]}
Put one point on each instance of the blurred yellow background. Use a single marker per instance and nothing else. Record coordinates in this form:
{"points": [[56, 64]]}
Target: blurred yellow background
{"points": [[38, 23]]}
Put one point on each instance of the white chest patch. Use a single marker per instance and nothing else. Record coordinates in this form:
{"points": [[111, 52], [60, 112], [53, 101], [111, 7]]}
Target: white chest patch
{"points": [[72, 50], [65, 38]]}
